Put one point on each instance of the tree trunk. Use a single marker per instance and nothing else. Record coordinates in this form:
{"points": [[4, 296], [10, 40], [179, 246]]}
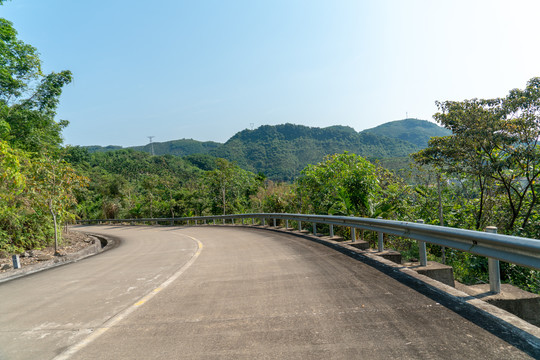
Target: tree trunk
{"points": [[55, 227]]}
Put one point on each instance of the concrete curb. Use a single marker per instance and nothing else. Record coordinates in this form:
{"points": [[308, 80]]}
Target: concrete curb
{"points": [[517, 330], [101, 244]]}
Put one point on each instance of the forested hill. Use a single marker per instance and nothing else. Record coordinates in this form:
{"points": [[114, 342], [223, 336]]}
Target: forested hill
{"points": [[415, 131], [180, 147], [282, 151]]}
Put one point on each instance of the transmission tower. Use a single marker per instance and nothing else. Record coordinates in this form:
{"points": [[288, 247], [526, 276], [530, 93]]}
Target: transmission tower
{"points": [[151, 143]]}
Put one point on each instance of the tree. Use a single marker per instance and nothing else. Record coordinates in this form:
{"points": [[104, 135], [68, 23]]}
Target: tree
{"points": [[465, 151], [35, 182], [343, 184], [230, 187], [28, 98], [494, 142], [51, 185]]}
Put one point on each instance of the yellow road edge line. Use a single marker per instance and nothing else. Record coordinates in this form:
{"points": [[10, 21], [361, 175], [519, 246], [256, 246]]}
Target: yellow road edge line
{"points": [[123, 314]]}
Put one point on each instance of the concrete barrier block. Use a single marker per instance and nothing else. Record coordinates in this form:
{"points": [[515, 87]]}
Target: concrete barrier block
{"points": [[519, 302], [436, 271], [360, 244], [392, 255]]}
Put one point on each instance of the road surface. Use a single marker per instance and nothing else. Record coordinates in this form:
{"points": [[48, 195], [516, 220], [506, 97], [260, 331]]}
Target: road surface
{"points": [[237, 293]]}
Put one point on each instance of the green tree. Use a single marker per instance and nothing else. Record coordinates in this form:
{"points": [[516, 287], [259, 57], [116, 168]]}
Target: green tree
{"points": [[28, 98], [230, 187], [495, 143], [52, 184], [344, 184]]}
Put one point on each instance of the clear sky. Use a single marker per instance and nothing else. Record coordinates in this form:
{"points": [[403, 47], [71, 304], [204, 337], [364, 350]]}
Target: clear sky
{"points": [[206, 69]]}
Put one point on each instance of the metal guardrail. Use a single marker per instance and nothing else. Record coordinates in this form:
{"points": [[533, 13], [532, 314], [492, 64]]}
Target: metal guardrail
{"points": [[512, 249]]}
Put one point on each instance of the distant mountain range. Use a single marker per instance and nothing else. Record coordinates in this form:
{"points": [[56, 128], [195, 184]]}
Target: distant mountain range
{"points": [[282, 151]]}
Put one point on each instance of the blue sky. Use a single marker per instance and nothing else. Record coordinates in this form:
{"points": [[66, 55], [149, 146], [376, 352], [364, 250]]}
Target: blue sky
{"points": [[208, 69]]}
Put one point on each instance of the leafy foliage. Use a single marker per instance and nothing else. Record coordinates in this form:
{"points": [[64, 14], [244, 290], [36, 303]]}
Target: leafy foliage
{"points": [[37, 187], [343, 184], [495, 145]]}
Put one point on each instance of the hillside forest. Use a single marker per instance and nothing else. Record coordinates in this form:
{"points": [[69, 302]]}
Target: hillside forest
{"points": [[482, 170]]}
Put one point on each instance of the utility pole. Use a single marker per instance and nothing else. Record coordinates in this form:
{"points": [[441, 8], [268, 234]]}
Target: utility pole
{"points": [[151, 143]]}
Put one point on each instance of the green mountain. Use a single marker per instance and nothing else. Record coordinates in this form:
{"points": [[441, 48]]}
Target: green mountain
{"points": [[414, 131], [97, 148], [180, 147], [282, 151]]}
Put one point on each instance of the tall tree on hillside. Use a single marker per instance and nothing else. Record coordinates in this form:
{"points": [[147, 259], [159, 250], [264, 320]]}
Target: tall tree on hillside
{"points": [[28, 98], [494, 142], [30, 140]]}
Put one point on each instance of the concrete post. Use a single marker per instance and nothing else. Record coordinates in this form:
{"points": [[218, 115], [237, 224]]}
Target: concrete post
{"points": [[223, 221], [252, 221], [381, 239], [263, 222], [494, 268], [196, 222], [331, 230], [274, 222], [422, 253], [353, 234], [16, 262], [287, 224], [314, 228], [299, 225]]}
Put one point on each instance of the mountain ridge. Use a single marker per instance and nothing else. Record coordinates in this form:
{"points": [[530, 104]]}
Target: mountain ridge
{"points": [[282, 151]]}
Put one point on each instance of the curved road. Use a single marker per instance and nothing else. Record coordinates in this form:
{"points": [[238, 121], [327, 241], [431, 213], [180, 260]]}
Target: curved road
{"points": [[224, 292]]}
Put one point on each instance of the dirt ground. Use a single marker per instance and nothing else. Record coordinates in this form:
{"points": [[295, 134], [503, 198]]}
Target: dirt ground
{"points": [[72, 242]]}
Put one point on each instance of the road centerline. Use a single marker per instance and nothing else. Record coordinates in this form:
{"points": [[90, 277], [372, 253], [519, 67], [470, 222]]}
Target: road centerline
{"points": [[126, 312]]}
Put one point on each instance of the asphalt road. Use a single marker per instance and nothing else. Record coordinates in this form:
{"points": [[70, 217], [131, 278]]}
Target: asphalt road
{"points": [[234, 293]]}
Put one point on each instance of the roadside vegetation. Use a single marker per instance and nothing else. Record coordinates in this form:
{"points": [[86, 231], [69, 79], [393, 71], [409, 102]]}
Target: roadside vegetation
{"points": [[485, 173]]}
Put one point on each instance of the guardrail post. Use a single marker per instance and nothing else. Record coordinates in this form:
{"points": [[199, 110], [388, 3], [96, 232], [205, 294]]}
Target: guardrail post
{"points": [[287, 224], [314, 228], [196, 222], [16, 262], [353, 233], [299, 225], [274, 222], [252, 221], [223, 221], [214, 221], [422, 253], [494, 268], [331, 230], [381, 239], [263, 222], [242, 221]]}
